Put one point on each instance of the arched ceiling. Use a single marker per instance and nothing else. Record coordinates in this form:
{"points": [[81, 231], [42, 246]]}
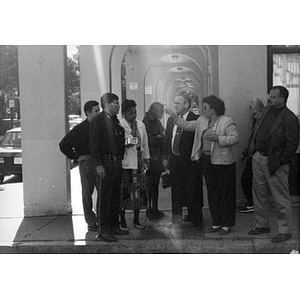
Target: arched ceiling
{"points": [[178, 67]]}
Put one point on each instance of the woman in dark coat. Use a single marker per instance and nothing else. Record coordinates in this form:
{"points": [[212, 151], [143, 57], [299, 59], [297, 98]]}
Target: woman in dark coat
{"points": [[155, 133]]}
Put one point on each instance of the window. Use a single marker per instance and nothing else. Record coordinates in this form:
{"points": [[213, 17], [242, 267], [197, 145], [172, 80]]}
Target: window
{"points": [[284, 69]]}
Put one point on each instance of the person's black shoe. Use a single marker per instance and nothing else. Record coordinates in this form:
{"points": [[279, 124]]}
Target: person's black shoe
{"points": [[258, 230], [93, 227], [123, 225], [119, 232], [281, 238], [213, 230], [137, 224], [106, 237], [156, 214]]}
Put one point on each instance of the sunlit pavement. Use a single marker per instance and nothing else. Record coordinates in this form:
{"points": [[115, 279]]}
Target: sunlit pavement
{"points": [[68, 234]]}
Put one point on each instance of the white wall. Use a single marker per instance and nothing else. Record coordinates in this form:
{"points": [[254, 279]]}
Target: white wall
{"points": [[242, 77]]}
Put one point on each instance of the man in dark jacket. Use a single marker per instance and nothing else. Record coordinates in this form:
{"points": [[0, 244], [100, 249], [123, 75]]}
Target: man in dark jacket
{"points": [[107, 140], [186, 175], [76, 145], [275, 140]]}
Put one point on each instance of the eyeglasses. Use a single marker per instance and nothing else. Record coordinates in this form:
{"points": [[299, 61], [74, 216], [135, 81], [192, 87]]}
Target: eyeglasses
{"points": [[269, 96], [115, 104]]}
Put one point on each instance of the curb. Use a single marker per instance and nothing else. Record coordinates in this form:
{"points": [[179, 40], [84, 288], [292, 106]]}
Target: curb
{"points": [[185, 246]]}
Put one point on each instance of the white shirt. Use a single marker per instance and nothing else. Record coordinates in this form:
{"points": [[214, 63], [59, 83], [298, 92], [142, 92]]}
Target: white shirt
{"points": [[175, 127]]}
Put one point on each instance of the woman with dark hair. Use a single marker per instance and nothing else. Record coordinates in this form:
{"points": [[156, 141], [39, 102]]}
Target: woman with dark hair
{"points": [[156, 135], [215, 135], [133, 191]]}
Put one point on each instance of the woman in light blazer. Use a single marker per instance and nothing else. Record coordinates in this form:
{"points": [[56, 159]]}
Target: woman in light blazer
{"points": [[215, 135], [133, 192]]}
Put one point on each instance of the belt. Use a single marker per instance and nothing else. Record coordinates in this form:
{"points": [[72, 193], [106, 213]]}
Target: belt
{"points": [[262, 153], [84, 157], [112, 158]]}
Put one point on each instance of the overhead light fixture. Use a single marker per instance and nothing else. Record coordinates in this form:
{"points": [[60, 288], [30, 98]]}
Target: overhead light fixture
{"points": [[174, 58]]}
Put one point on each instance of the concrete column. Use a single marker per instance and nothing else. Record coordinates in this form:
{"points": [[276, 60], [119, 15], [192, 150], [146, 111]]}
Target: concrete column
{"points": [[94, 73], [46, 175]]}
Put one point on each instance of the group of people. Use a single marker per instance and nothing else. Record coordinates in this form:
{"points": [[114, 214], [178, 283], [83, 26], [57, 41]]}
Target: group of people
{"points": [[122, 159], [273, 141], [129, 156]]}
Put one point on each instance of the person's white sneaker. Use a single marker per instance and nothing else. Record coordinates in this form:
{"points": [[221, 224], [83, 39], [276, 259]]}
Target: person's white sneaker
{"points": [[247, 209]]}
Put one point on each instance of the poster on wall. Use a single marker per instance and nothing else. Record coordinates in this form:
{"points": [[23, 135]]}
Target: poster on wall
{"points": [[148, 89], [133, 86]]}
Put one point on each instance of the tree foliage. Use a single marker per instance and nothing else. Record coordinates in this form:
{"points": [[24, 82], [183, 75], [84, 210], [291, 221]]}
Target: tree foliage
{"points": [[73, 84], [9, 76], [9, 73]]}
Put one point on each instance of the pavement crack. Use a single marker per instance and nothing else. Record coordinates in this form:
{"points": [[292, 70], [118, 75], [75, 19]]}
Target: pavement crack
{"points": [[40, 228]]}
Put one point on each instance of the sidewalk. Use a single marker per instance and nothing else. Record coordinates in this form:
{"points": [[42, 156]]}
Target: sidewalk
{"points": [[68, 234]]}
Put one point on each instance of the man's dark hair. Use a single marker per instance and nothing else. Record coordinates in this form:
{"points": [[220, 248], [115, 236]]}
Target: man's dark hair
{"points": [[108, 98], [127, 104], [283, 92], [186, 97], [215, 103], [88, 106]]}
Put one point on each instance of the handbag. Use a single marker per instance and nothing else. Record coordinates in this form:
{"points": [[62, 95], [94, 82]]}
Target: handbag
{"points": [[166, 180]]}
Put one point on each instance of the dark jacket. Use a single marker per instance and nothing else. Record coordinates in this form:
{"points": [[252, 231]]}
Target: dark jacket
{"points": [[283, 140], [107, 137], [76, 142], [185, 143], [155, 132]]}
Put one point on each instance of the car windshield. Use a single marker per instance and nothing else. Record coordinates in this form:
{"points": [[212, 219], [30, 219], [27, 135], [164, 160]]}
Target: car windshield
{"points": [[12, 139]]}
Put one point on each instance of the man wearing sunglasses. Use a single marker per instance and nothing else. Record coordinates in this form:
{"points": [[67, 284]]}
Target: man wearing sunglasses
{"points": [[274, 142]]}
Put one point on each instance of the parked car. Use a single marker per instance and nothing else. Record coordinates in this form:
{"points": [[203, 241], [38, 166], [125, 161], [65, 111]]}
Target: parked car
{"points": [[11, 153], [74, 120]]}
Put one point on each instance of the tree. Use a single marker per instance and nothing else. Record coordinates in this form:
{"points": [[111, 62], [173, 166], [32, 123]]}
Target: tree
{"points": [[9, 73], [73, 84], [9, 76]]}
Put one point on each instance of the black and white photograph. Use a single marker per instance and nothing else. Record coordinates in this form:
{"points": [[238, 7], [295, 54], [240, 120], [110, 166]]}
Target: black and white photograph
{"points": [[121, 155]]}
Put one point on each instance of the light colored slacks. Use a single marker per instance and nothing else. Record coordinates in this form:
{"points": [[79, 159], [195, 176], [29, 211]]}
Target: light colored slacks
{"points": [[276, 185]]}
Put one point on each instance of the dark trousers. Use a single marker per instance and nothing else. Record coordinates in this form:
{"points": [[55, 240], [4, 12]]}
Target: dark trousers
{"points": [[221, 189], [110, 196], [246, 181], [186, 189], [88, 183], [152, 186]]}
